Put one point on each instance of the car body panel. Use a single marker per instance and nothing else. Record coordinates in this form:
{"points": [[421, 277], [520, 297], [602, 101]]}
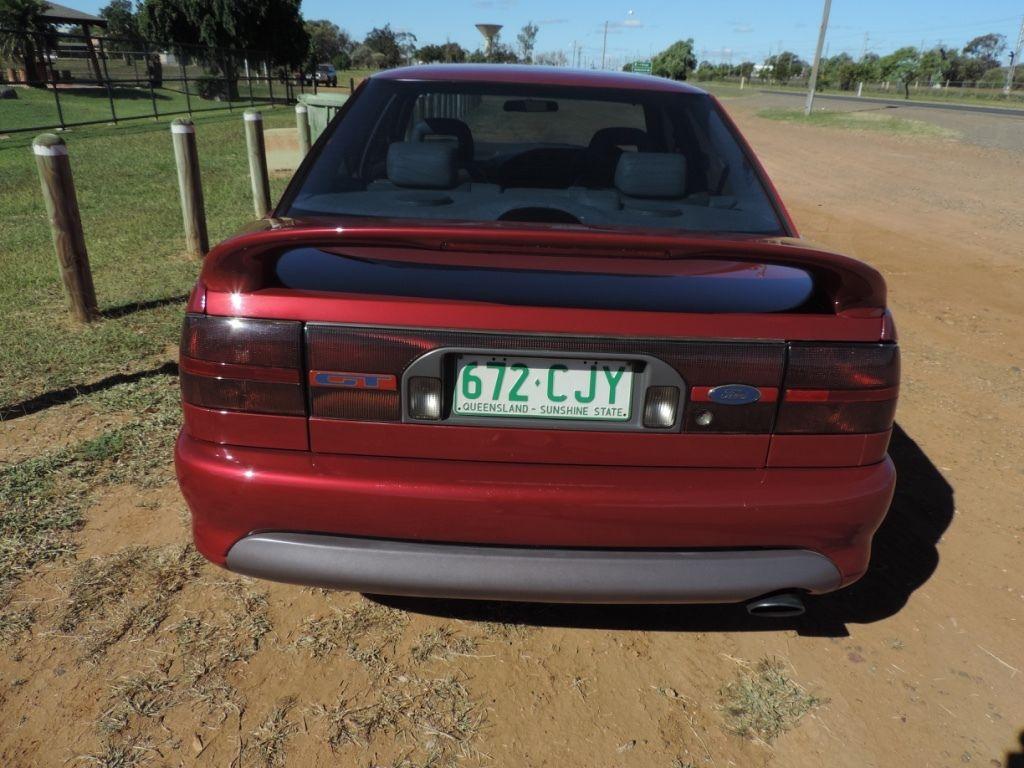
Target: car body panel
{"points": [[272, 484]]}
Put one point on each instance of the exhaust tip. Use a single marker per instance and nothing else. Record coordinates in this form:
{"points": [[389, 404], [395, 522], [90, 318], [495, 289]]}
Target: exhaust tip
{"points": [[782, 606]]}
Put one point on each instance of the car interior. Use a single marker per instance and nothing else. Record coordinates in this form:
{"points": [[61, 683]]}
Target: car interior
{"points": [[478, 161]]}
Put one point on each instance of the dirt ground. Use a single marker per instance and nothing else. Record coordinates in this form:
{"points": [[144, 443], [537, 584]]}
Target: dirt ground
{"points": [[919, 664]]}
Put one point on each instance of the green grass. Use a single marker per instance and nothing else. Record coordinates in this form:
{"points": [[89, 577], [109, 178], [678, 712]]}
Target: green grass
{"points": [[128, 198], [989, 97], [858, 121], [37, 107], [43, 498]]}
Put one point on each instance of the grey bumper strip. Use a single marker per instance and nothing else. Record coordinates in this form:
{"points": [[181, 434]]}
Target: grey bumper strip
{"points": [[390, 567]]}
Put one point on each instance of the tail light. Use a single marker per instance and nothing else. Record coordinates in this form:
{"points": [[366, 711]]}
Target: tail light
{"points": [[839, 389], [239, 364], [378, 352]]}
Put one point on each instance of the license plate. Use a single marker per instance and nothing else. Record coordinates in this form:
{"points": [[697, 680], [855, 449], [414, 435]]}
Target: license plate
{"points": [[543, 388]]}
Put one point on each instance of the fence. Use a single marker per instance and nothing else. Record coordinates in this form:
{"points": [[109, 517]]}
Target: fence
{"points": [[74, 80]]}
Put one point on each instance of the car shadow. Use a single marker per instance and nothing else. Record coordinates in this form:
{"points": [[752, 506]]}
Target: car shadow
{"points": [[1016, 759], [903, 558]]}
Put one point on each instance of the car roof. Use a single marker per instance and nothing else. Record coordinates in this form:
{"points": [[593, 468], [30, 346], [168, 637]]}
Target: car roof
{"points": [[535, 75]]}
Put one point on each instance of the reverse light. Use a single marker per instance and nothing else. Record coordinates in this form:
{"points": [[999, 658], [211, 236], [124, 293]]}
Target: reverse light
{"points": [[660, 406], [425, 398]]}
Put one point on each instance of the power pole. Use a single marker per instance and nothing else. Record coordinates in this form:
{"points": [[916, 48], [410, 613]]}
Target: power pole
{"points": [[604, 47], [817, 58], [1014, 56], [867, 36]]}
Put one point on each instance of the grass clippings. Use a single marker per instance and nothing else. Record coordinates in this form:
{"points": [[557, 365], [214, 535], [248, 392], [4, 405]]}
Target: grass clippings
{"points": [[764, 702]]}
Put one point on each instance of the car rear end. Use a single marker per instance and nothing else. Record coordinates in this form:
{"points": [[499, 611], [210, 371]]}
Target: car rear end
{"points": [[540, 413]]}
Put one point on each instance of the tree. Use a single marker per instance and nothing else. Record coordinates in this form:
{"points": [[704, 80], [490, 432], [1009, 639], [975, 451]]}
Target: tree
{"points": [[406, 46], [676, 61], [746, 69], [273, 27], [986, 48], [447, 53], [384, 41], [553, 59], [499, 53], [122, 24], [326, 40], [902, 65], [527, 39], [22, 30], [363, 57], [980, 55], [785, 66]]}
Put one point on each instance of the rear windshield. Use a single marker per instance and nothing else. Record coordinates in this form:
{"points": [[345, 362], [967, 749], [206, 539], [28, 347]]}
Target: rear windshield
{"points": [[591, 157]]}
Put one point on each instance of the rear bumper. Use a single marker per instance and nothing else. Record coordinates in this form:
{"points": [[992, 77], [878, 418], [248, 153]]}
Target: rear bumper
{"points": [[529, 516], [536, 575]]}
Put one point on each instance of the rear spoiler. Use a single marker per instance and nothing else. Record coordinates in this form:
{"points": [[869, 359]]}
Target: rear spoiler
{"points": [[245, 262]]}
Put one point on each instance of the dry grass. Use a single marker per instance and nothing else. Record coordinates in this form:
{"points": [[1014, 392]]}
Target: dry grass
{"points": [[442, 644], [42, 498], [436, 717], [131, 752], [266, 744], [366, 631], [763, 703], [144, 696], [15, 623], [127, 593], [208, 646]]}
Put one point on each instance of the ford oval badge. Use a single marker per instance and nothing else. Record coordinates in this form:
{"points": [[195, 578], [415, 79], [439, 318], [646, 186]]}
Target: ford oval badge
{"points": [[734, 394]]}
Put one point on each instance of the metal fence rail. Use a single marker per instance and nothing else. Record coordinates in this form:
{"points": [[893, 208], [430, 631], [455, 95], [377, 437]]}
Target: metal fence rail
{"points": [[75, 80]]}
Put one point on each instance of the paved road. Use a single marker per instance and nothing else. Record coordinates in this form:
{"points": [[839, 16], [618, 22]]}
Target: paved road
{"points": [[1001, 111]]}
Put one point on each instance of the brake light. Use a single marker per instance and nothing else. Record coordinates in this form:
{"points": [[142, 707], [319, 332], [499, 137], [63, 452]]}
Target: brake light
{"points": [[242, 364], [839, 389]]}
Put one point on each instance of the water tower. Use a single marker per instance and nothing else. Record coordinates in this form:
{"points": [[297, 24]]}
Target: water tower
{"points": [[489, 31]]}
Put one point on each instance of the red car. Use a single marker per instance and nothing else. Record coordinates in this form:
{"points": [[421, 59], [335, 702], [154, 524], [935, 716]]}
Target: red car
{"points": [[536, 334]]}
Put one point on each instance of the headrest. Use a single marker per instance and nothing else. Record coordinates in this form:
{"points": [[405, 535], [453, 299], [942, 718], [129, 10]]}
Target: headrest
{"points": [[446, 126], [423, 166], [616, 136], [651, 174]]}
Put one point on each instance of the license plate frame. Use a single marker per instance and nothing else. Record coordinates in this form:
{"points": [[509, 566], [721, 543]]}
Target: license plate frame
{"points": [[440, 363], [543, 388]]}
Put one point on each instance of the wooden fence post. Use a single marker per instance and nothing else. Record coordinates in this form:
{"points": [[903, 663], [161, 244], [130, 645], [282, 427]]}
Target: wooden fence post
{"points": [[257, 162], [190, 185], [302, 126], [65, 224]]}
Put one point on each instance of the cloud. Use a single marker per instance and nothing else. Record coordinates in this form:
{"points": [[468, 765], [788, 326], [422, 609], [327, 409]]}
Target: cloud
{"points": [[548, 22], [499, 4], [619, 26], [742, 29], [717, 53]]}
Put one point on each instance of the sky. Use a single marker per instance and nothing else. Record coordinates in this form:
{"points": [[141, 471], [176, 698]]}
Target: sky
{"points": [[742, 30]]}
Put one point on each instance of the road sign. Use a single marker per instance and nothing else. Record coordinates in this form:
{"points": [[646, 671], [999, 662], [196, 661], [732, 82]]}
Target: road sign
{"points": [[642, 67]]}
